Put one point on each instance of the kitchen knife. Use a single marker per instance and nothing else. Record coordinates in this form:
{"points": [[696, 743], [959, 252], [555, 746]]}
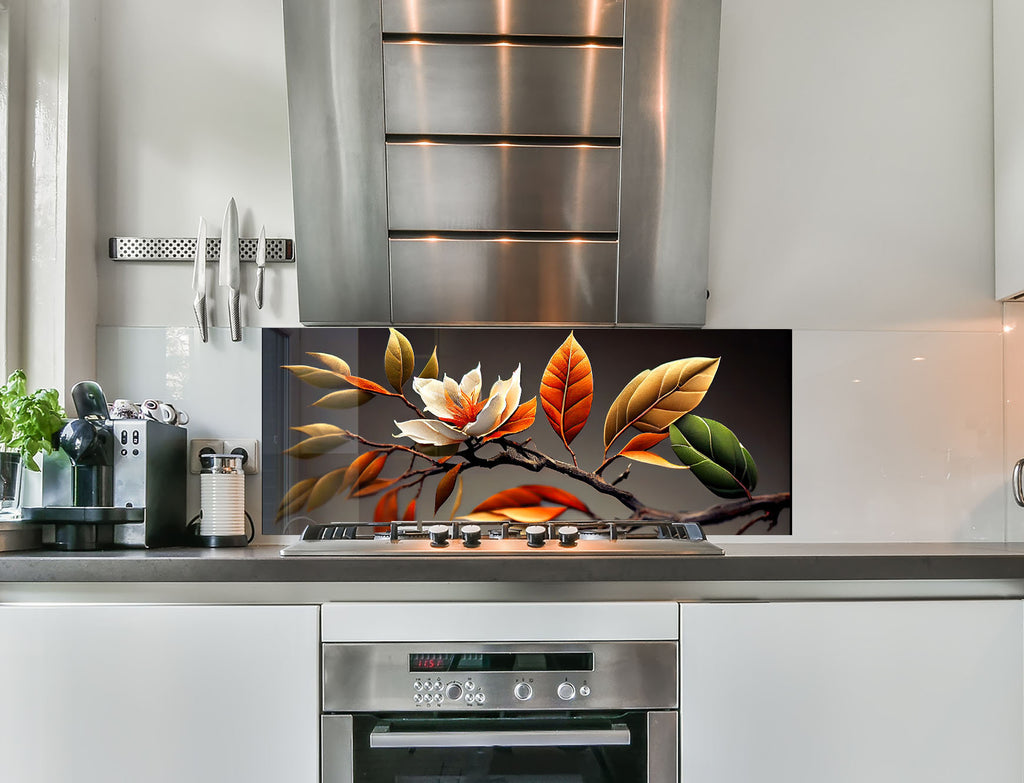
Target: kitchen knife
{"points": [[229, 275], [261, 262], [199, 281]]}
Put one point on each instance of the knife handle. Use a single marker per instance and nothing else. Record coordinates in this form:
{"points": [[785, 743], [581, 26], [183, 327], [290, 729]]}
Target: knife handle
{"points": [[199, 306], [234, 317], [258, 294]]}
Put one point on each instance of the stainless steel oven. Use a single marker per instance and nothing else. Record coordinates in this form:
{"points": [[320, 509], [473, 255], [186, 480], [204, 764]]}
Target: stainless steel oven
{"points": [[518, 712]]}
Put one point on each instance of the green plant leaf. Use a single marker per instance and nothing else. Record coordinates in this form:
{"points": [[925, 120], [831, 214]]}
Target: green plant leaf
{"points": [[714, 455], [28, 421]]}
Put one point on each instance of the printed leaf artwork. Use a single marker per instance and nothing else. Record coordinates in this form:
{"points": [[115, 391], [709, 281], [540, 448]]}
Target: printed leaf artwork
{"points": [[458, 497], [372, 488], [567, 390], [431, 369], [650, 458], [521, 420], [365, 385], [332, 362], [319, 429], [398, 360], [359, 464], [656, 398], [367, 474], [316, 446], [528, 515], [326, 487], [386, 510], [409, 515], [342, 400], [645, 441], [295, 498], [715, 456], [445, 487], [531, 495], [314, 376]]}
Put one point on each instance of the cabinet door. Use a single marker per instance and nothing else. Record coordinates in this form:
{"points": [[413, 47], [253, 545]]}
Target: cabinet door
{"points": [[852, 692], [159, 694]]}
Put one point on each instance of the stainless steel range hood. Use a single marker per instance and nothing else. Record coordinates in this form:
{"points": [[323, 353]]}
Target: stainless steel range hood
{"points": [[502, 161]]}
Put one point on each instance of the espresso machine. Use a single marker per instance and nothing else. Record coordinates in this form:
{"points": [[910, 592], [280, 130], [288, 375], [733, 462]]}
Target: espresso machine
{"points": [[112, 483]]}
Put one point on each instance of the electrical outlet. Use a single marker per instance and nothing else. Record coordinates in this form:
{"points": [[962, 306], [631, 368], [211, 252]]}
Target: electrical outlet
{"points": [[251, 449], [199, 445]]}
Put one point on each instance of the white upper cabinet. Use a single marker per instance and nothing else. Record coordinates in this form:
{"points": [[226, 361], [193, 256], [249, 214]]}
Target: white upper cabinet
{"points": [[1008, 131]]}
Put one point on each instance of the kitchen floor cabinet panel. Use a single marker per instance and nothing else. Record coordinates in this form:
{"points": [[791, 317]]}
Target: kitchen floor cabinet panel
{"points": [[159, 694], [887, 692]]}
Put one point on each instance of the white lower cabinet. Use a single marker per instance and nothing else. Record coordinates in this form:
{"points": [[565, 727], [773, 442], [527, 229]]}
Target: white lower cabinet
{"points": [[879, 692], [159, 694]]}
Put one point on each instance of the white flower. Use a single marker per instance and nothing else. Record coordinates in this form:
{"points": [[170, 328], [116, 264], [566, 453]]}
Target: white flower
{"points": [[461, 414]]}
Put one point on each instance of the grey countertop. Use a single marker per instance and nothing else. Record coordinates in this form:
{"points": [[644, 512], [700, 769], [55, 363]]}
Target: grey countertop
{"points": [[742, 562]]}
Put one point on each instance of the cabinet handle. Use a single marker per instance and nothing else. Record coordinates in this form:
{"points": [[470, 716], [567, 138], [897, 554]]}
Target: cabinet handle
{"points": [[1018, 487]]}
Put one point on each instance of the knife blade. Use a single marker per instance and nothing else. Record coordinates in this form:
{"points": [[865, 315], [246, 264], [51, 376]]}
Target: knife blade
{"points": [[199, 282], [229, 275], [261, 262]]}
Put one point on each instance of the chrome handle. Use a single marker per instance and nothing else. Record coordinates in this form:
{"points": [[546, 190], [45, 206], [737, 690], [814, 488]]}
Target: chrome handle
{"points": [[258, 293], [199, 306], [234, 319], [1018, 487], [383, 737]]}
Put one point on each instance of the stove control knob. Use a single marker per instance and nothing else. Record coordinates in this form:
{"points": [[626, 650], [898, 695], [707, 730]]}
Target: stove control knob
{"points": [[453, 691], [568, 535], [438, 535], [566, 691], [523, 691], [535, 535], [471, 535], [584, 690]]}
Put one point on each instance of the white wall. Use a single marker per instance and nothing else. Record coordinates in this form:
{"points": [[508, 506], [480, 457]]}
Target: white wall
{"points": [[852, 203]]}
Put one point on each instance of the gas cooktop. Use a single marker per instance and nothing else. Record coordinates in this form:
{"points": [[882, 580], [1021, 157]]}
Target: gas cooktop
{"points": [[456, 539]]}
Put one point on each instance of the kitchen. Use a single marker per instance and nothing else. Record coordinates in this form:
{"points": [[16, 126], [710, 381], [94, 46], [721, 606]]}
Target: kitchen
{"points": [[852, 203]]}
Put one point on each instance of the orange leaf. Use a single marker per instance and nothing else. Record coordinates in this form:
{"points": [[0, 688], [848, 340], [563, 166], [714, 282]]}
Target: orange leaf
{"points": [[445, 487], [567, 390], [510, 498], [558, 496], [410, 512], [386, 510], [525, 514], [483, 516], [651, 459], [645, 441], [520, 420], [365, 385], [370, 472], [656, 398], [357, 467], [372, 488]]}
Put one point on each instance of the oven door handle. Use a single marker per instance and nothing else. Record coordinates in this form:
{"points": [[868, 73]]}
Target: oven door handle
{"points": [[382, 737]]}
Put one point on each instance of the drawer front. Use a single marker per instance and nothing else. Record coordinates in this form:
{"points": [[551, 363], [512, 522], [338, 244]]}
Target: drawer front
{"points": [[596, 18], [502, 187], [496, 281], [502, 89]]}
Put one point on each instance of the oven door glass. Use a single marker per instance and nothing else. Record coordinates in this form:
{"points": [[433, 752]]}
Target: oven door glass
{"points": [[606, 748]]}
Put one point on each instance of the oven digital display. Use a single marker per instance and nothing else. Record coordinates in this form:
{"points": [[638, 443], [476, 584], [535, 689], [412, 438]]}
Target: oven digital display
{"points": [[502, 662]]}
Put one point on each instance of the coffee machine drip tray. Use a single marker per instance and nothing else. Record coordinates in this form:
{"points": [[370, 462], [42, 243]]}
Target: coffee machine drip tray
{"points": [[83, 527]]}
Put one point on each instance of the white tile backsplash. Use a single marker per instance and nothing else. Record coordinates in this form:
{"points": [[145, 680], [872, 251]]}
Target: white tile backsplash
{"points": [[217, 383], [1013, 388], [897, 436]]}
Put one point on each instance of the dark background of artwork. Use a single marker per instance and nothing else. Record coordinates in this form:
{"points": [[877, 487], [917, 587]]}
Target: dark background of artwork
{"points": [[751, 394]]}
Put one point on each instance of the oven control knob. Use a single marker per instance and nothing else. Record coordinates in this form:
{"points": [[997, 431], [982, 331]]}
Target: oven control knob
{"points": [[522, 691], [568, 535], [471, 535], [438, 535], [566, 691], [535, 535], [453, 691], [584, 690]]}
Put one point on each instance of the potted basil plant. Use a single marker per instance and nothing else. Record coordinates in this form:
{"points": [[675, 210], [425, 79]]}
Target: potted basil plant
{"points": [[28, 422]]}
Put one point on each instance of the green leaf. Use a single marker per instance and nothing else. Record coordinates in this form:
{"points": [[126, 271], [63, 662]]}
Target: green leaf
{"points": [[28, 421], [714, 455]]}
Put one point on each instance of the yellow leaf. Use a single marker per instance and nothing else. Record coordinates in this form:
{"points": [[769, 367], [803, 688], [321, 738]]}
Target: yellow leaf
{"points": [[656, 398], [341, 400], [319, 429], [294, 499], [398, 360], [332, 362], [326, 487], [430, 369], [322, 379], [315, 446]]}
